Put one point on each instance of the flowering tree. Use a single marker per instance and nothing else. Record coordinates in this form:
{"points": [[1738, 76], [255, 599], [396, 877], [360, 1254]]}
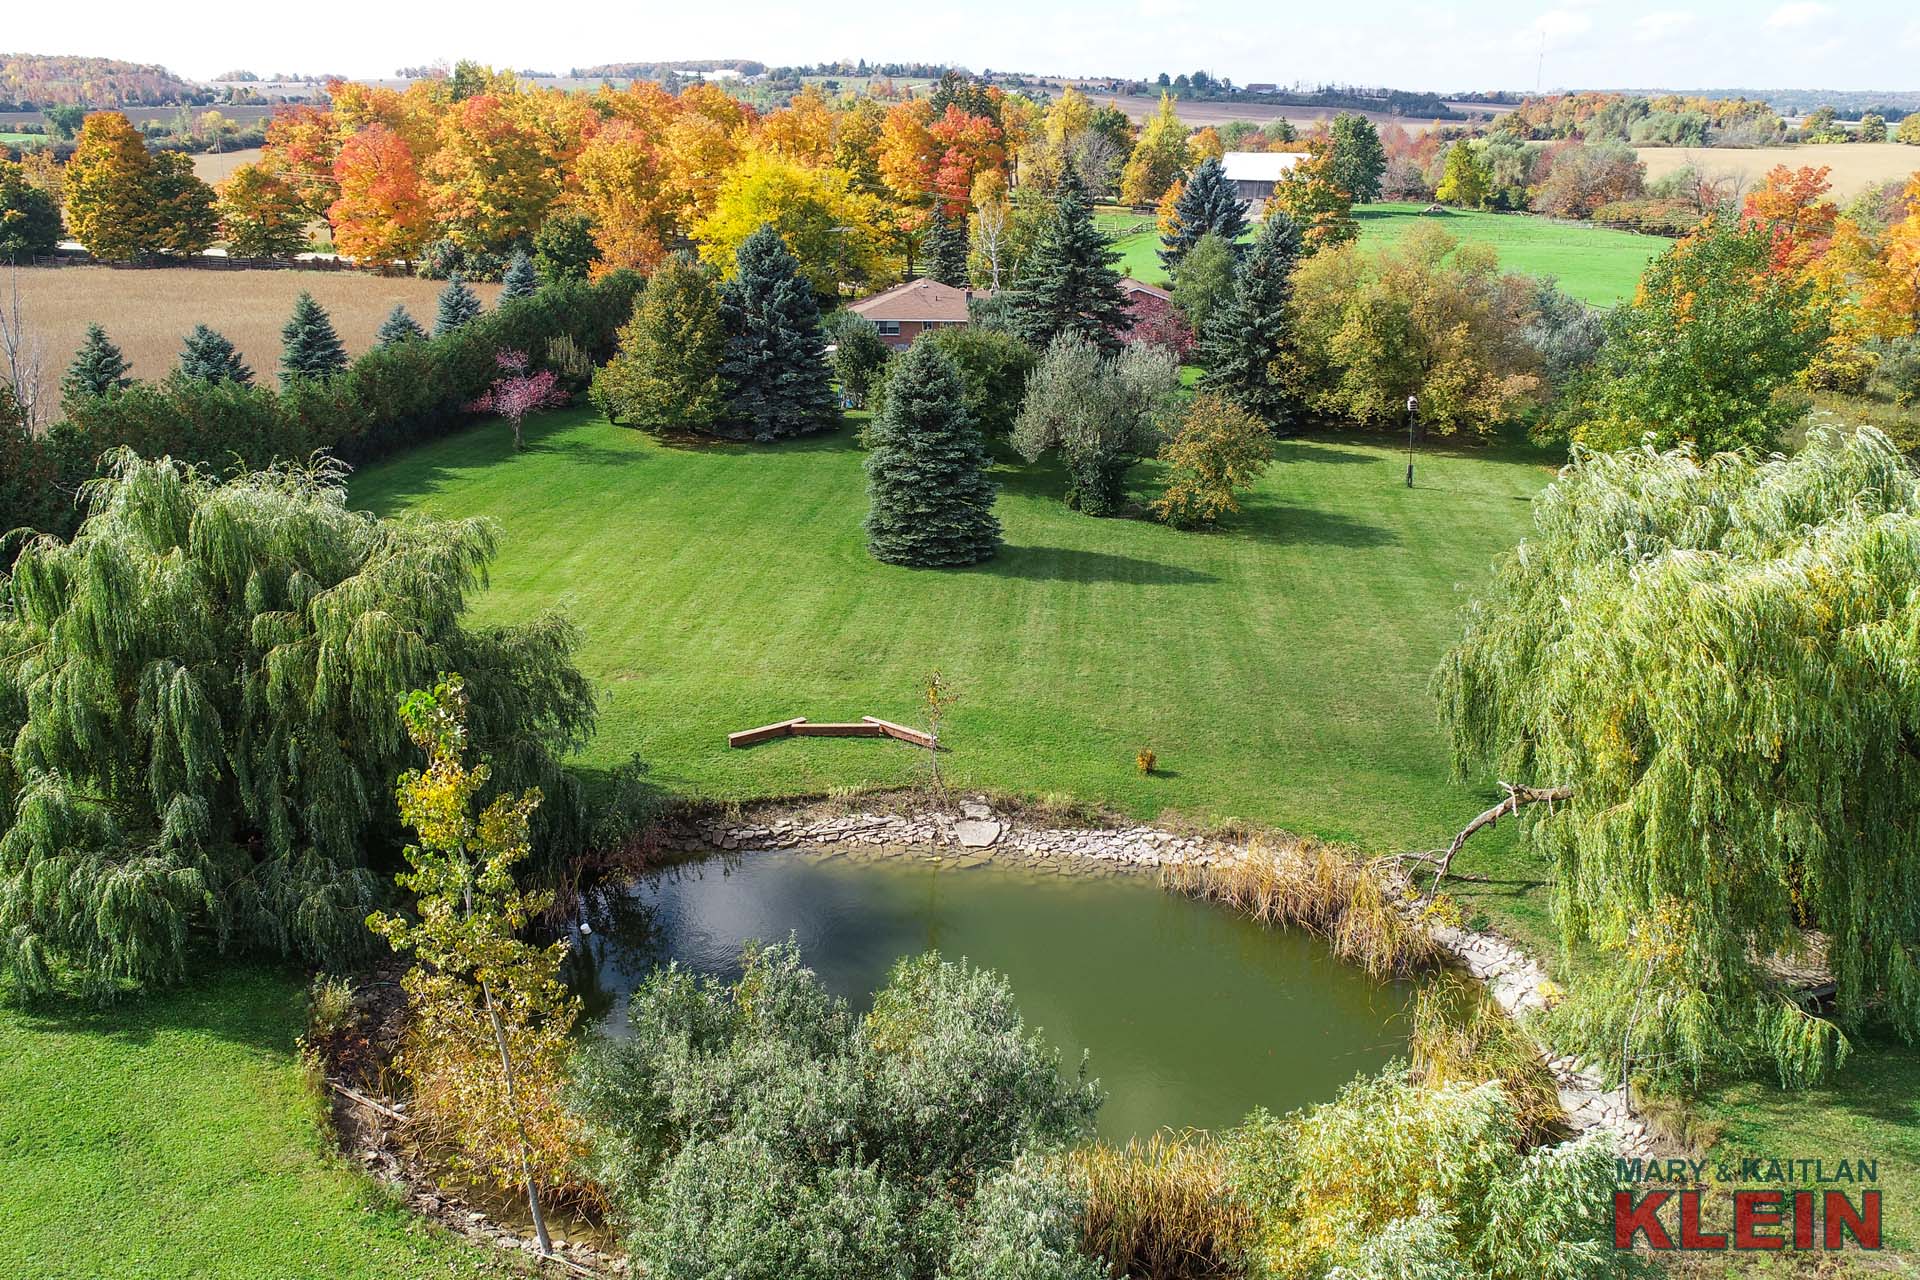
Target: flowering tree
{"points": [[520, 391]]}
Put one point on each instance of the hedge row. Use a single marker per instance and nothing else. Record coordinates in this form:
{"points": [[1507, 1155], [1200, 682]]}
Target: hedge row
{"points": [[389, 399]]}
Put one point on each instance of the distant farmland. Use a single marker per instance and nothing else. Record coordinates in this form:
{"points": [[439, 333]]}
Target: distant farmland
{"points": [[147, 313], [215, 167], [1856, 165]]}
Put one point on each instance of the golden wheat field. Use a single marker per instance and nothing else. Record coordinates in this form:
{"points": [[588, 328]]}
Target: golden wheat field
{"points": [[147, 313], [216, 166], [1856, 165]]}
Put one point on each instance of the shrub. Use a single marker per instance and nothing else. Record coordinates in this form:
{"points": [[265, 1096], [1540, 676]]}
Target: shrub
{"points": [[1900, 369], [993, 367], [1219, 450], [759, 1129], [1144, 760], [1661, 217]]}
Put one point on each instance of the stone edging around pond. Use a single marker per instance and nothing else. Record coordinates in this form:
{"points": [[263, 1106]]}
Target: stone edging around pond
{"points": [[974, 831]]}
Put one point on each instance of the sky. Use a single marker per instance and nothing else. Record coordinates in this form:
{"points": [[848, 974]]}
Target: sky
{"points": [[1410, 44]]}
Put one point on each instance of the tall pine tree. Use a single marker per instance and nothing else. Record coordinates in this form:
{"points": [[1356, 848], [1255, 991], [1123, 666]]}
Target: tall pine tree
{"points": [[1248, 349], [1207, 203], [1067, 283], [932, 503], [774, 365], [459, 305], [309, 346], [520, 280], [399, 326], [97, 368], [946, 248], [206, 356]]}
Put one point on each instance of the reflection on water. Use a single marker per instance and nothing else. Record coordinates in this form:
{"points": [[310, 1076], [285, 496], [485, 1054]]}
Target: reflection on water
{"points": [[1191, 1016]]}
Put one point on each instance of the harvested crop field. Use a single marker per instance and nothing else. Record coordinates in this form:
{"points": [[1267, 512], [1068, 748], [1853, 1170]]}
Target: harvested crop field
{"points": [[148, 312], [216, 166], [1856, 165]]}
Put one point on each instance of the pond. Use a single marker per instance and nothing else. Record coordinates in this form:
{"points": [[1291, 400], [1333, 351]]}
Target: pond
{"points": [[1191, 1015]]}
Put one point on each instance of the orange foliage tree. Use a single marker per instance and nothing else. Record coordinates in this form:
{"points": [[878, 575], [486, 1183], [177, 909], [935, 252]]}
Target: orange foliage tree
{"points": [[1792, 205], [382, 214]]}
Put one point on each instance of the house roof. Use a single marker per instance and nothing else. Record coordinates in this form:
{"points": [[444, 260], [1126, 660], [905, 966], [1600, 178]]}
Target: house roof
{"points": [[923, 300], [1259, 166], [1130, 286]]}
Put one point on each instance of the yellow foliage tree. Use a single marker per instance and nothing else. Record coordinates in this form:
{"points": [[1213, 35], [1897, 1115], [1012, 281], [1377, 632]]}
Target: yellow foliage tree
{"points": [[262, 214], [838, 234], [1159, 157], [623, 182], [108, 184]]}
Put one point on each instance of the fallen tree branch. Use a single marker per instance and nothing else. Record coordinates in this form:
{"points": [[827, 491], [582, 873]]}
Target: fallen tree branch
{"points": [[1517, 796], [365, 1101]]}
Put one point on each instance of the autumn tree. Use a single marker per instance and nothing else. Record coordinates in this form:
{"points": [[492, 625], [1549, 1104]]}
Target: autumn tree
{"points": [[665, 373], [623, 177], [1707, 665], [1792, 206], [1159, 156], [1218, 451], [836, 234], [501, 163], [518, 392], [1699, 353], [490, 1033], [381, 214], [564, 248], [302, 145], [931, 503], [122, 202], [262, 215], [1319, 206], [1068, 283], [1464, 182], [773, 364], [1249, 349]]}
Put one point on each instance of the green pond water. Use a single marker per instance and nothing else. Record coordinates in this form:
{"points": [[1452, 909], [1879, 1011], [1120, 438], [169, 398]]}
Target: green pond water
{"points": [[1191, 1016]]}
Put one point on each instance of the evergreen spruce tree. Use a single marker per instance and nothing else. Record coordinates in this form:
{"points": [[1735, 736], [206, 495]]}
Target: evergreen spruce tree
{"points": [[97, 368], [1248, 348], [520, 280], [458, 305], [399, 326], [946, 248], [1067, 283], [774, 365], [309, 348], [208, 357], [932, 503], [1207, 203]]}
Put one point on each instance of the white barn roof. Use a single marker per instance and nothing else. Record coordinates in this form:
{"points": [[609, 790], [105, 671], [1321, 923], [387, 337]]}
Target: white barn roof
{"points": [[1259, 166]]}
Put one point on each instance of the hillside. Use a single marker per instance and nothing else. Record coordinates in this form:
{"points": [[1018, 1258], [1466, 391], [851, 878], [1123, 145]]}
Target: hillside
{"points": [[33, 81]]}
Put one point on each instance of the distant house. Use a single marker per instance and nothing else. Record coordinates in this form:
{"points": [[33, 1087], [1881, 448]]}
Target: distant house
{"points": [[908, 310], [1254, 173], [1263, 88], [1139, 292]]}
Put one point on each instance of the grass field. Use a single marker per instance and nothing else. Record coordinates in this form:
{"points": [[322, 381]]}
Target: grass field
{"points": [[175, 1138], [147, 313], [1595, 264], [1278, 667], [1856, 165]]}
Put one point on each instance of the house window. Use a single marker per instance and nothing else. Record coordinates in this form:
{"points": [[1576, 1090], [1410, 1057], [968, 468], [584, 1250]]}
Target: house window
{"points": [[888, 328]]}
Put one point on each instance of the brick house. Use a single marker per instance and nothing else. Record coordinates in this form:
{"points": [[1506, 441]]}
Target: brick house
{"points": [[908, 310]]}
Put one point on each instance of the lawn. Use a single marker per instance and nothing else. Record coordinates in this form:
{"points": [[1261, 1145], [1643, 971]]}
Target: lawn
{"points": [[1279, 667], [1595, 264], [176, 1136]]}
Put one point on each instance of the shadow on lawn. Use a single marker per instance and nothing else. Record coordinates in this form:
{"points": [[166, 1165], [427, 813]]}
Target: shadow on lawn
{"points": [[1306, 526], [250, 1003], [1068, 564]]}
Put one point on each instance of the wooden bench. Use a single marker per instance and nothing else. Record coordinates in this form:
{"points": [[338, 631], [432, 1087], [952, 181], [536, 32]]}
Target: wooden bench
{"points": [[801, 727]]}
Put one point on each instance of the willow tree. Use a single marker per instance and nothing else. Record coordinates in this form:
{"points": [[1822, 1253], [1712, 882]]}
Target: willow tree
{"points": [[198, 716], [1709, 670]]}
